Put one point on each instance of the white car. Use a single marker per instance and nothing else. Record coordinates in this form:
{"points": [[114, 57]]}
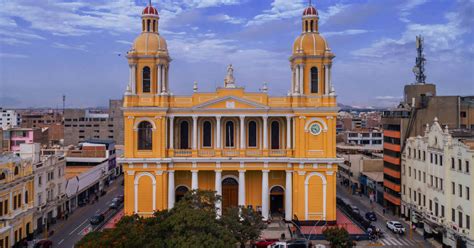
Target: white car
{"points": [[395, 227]]}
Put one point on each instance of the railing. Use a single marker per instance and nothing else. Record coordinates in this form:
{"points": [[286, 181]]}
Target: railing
{"points": [[85, 154], [277, 153], [207, 153], [183, 152], [230, 152], [253, 153]]}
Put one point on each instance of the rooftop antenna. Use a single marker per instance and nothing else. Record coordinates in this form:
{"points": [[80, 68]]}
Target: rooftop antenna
{"points": [[419, 68], [64, 103]]}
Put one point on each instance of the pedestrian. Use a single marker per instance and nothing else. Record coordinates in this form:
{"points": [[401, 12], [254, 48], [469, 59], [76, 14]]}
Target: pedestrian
{"points": [[383, 209]]}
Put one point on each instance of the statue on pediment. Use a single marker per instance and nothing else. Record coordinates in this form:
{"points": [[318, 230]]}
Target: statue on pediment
{"points": [[229, 81]]}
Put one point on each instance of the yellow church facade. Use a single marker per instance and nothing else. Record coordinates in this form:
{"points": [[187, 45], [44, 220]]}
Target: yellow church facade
{"points": [[275, 154]]}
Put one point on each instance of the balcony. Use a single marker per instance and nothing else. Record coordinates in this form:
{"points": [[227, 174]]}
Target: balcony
{"points": [[207, 153], [392, 173], [393, 134], [85, 154], [230, 153], [392, 186], [183, 152], [253, 153], [391, 198]]}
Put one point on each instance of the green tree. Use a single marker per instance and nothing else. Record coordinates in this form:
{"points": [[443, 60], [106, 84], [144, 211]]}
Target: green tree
{"points": [[338, 237], [244, 223]]}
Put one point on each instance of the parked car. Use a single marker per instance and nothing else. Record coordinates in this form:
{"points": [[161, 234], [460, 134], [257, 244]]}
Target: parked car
{"points": [[264, 243], [44, 243], [121, 198], [298, 243], [96, 219], [355, 209], [371, 216], [114, 205], [395, 227]]}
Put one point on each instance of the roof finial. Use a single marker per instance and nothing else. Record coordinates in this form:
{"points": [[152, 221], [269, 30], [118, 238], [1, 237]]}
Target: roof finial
{"points": [[310, 3], [149, 2]]}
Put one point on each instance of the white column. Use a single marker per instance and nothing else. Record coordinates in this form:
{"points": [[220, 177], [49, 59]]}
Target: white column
{"points": [[288, 132], [195, 132], [194, 180], [242, 132], [326, 79], [171, 132], [297, 79], [288, 196], [265, 132], [265, 194], [24, 198], [159, 82], [301, 84], [218, 185], [133, 73], [166, 81], [241, 187], [218, 130], [330, 78], [163, 79], [292, 80], [171, 196]]}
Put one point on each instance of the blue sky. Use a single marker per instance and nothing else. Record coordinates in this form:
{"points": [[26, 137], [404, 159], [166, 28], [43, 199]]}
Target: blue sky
{"points": [[72, 47]]}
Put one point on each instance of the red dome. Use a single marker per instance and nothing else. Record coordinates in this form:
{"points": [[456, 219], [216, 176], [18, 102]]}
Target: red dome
{"points": [[310, 10], [150, 10]]}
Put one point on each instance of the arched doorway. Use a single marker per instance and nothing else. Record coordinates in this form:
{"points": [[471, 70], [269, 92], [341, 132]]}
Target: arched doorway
{"points": [[277, 195], [180, 192], [230, 190]]}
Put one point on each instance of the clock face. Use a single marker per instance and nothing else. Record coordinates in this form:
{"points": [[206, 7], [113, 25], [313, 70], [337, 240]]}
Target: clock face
{"points": [[315, 129]]}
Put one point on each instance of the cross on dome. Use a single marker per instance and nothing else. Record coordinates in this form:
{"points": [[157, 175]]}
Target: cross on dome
{"points": [[310, 10]]}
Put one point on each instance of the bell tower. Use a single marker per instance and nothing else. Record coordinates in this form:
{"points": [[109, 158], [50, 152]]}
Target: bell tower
{"points": [[148, 59], [311, 59]]}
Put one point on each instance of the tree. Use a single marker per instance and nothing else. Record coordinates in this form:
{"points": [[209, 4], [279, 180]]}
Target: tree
{"points": [[244, 223], [338, 237]]}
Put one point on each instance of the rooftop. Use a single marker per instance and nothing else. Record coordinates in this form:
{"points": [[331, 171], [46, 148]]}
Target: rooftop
{"points": [[8, 157]]}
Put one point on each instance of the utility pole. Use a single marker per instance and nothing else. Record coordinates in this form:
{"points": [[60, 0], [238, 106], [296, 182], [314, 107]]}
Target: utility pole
{"points": [[64, 103]]}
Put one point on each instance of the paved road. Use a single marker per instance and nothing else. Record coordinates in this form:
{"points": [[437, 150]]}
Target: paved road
{"points": [[411, 239], [69, 232]]}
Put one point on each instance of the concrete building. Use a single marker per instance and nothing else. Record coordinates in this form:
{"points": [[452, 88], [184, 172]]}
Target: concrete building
{"points": [[9, 118], [16, 200], [83, 124], [437, 184], [49, 184], [275, 154], [52, 120], [364, 137]]}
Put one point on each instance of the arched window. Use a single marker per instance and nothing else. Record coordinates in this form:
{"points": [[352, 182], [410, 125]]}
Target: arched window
{"points": [[252, 134], [306, 26], [143, 25], [146, 80], [184, 139], [229, 134], [311, 26], [145, 136], [3, 176], [207, 134], [26, 197], [148, 22], [180, 192], [275, 135], [314, 80], [17, 171]]}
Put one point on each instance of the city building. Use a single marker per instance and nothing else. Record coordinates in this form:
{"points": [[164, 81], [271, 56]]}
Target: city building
{"points": [[16, 200], [52, 120], [437, 184], [49, 185], [364, 137], [14, 137], [9, 118], [275, 154], [420, 106], [89, 154], [83, 124]]}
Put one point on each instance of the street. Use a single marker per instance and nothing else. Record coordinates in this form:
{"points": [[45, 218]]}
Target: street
{"points": [[70, 231], [390, 239]]}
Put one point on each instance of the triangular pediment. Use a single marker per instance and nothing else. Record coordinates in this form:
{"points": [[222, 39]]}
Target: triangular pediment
{"points": [[230, 102]]}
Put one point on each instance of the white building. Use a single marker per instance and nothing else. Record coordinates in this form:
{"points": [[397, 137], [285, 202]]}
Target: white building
{"points": [[9, 118], [364, 137], [49, 184], [437, 184]]}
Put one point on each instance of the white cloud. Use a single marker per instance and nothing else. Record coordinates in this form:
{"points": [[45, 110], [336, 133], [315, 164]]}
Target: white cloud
{"points": [[209, 3], [284, 9], [345, 32], [227, 18], [388, 98], [13, 56], [70, 47], [125, 42], [407, 7]]}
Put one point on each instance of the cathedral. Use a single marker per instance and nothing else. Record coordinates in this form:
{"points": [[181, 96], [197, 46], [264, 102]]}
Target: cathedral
{"points": [[275, 154]]}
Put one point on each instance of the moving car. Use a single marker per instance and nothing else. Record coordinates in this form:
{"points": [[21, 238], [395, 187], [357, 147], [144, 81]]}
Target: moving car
{"points": [[355, 209], [371, 216], [114, 205], [298, 243], [395, 227], [96, 219]]}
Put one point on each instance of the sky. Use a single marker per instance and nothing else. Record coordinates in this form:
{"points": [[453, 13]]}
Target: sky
{"points": [[76, 47]]}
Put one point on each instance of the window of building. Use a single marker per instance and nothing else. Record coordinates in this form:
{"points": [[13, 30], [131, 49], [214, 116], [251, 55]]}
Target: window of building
{"points": [[459, 165], [452, 163], [275, 126], [442, 211], [441, 160], [431, 205], [460, 219], [207, 134], [468, 193], [436, 209], [463, 114], [314, 80], [184, 138], [436, 158], [431, 157], [229, 134], [409, 171], [424, 177], [5, 207], [16, 170], [419, 174], [145, 136], [467, 167], [2, 176], [146, 80], [468, 221], [252, 134], [453, 186], [441, 183], [460, 190], [26, 197], [424, 200], [431, 180], [1, 208]]}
